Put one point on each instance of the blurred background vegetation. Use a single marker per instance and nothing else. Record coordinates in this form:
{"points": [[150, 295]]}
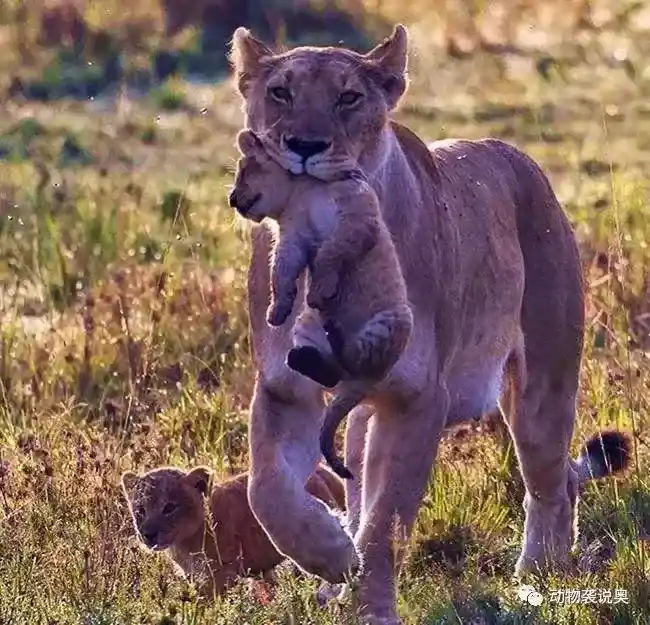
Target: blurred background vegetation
{"points": [[123, 324], [81, 48]]}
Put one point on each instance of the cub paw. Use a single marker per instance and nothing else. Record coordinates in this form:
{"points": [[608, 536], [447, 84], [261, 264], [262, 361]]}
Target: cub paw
{"points": [[322, 290], [352, 175], [308, 361], [277, 314]]}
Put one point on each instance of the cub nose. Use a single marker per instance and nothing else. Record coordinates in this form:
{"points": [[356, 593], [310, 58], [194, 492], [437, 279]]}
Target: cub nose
{"points": [[232, 199], [306, 148], [150, 537]]}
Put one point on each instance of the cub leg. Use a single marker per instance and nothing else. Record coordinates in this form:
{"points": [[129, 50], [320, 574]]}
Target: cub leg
{"points": [[312, 354], [379, 344]]}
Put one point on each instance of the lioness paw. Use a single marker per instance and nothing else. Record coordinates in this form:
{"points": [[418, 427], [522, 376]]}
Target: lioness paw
{"points": [[331, 592]]}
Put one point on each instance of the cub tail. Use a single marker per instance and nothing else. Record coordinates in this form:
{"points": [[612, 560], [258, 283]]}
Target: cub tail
{"points": [[349, 395]]}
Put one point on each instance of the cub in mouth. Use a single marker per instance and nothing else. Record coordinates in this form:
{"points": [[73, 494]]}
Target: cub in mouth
{"points": [[358, 320]]}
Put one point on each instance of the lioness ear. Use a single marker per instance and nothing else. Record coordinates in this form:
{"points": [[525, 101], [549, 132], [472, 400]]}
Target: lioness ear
{"points": [[248, 142], [199, 478], [246, 52], [129, 481], [390, 58]]}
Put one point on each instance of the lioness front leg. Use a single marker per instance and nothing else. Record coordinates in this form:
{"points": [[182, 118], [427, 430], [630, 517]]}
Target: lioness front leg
{"points": [[289, 261], [284, 451], [356, 430], [400, 451]]}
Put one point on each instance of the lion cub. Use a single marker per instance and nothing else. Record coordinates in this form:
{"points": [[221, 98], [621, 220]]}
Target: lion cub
{"points": [[336, 230], [214, 550]]}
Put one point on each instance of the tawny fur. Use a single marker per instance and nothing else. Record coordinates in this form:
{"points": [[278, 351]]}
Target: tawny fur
{"points": [[214, 547], [494, 282], [355, 281]]}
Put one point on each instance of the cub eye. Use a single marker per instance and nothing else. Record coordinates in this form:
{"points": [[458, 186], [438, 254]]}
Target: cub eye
{"points": [[349, 98], [169, 508], [280, 93]]}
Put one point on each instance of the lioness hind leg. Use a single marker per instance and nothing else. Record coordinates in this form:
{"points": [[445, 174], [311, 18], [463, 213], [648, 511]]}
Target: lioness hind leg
{"points": [[552, 324], [542, 426]]}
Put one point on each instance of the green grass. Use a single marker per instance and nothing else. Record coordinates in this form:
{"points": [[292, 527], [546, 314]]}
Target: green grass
{"points": [[124, 340]]}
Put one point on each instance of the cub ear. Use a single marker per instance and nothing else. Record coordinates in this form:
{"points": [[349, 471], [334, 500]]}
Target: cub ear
{"points": [[248, 142], [246, 54], [199, 478], [390, 58], [129, 482]]}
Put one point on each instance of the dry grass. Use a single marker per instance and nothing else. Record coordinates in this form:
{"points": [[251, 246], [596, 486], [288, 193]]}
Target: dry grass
{"points": [[123, 329]]}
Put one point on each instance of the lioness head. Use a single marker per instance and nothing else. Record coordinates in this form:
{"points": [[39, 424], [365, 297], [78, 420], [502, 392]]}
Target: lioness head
{"points": [[323, 109], [166, 504], [261, 187]]}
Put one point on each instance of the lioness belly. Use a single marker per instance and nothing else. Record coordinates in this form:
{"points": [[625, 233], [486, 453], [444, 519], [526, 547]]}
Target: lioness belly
{"points": [[475, 392]]}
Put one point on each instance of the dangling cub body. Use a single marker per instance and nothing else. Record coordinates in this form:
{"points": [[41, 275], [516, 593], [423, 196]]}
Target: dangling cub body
{"points": [[358, 320], [215, 550]]}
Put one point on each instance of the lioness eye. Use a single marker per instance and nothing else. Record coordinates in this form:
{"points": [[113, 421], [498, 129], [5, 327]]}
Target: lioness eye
{"points": [[169, 508], [280, 93], [349, 98]]}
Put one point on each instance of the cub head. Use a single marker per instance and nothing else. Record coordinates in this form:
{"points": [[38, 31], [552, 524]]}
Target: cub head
{"points": [[322, 109], [166, 504], [262, 188]]}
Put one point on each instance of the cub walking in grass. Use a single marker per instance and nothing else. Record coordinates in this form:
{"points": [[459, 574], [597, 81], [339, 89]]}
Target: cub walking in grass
{"points": [[356, 285], [214, 550]]}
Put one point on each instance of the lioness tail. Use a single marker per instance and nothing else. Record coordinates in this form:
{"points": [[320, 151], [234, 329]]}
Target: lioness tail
{"points": [[603, 454]]}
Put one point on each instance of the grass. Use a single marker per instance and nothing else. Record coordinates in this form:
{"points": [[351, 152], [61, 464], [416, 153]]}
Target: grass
{"points": [[124, 339]]}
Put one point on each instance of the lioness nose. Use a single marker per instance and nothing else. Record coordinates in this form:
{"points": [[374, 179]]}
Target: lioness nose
{"points": [[232, 200], [306, 148]]}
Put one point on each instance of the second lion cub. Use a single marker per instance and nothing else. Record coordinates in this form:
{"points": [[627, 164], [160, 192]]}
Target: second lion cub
{"points": [[217, 546], [356, 284]]}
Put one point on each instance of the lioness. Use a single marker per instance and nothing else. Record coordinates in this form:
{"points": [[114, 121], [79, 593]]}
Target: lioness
{"points": [[215, 550], [337, 230], [493, 278]]}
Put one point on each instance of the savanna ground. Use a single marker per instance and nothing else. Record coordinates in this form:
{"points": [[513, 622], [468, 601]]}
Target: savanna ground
{"points": [[123, 336]]}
